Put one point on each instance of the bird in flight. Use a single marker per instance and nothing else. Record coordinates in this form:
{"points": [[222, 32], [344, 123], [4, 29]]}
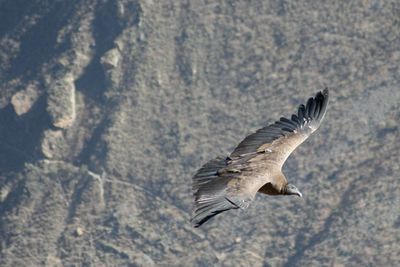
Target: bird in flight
{"points": [[256, 164]]}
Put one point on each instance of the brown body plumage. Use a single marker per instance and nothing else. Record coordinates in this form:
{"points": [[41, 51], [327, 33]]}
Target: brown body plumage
{"points": [[256, 164]]}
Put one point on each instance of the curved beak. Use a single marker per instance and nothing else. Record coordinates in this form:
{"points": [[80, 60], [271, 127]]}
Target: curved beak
{"points": [[292, 190]]}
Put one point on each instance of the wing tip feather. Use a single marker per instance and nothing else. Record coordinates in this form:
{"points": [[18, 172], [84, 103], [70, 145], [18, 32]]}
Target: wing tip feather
{"points": [[210, 208], [313, 112]]}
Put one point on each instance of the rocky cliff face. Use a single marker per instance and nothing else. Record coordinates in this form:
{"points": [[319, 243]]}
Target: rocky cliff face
{"points": [[107, 108]]}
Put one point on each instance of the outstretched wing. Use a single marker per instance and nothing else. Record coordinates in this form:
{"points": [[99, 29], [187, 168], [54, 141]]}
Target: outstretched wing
{"points": [[217, 188], [277, 141]]}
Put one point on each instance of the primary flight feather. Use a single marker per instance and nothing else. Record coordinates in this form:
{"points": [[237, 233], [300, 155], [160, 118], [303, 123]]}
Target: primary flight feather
{"points": [[256, 163]]}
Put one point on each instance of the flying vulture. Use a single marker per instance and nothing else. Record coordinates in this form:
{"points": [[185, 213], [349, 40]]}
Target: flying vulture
{"points": [[256, 164]]}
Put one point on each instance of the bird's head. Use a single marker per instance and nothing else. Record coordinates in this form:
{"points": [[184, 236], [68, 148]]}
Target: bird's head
{"points": [[292, 190]]}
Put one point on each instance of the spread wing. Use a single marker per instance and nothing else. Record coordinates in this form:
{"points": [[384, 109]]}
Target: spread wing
{"points": [[277, 141], [217, 189], [231, 183]]}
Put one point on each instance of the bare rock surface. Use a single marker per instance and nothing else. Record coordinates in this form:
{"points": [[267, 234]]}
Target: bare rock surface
{"points": [[107, 109], [23, 100], [61, 102]]}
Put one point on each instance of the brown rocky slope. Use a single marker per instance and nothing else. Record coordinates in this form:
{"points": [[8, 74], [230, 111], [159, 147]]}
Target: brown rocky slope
{"points": [[107, 108]]}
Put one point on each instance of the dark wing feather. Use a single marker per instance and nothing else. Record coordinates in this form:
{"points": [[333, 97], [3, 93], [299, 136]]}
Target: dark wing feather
{"points": [[295, 130], [213, 193]]}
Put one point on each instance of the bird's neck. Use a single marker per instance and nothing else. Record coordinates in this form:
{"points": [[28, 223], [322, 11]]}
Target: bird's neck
{"points": [[284, 190]]}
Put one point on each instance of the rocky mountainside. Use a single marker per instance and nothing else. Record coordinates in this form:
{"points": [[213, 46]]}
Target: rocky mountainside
{"points": [[107, 109]]}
